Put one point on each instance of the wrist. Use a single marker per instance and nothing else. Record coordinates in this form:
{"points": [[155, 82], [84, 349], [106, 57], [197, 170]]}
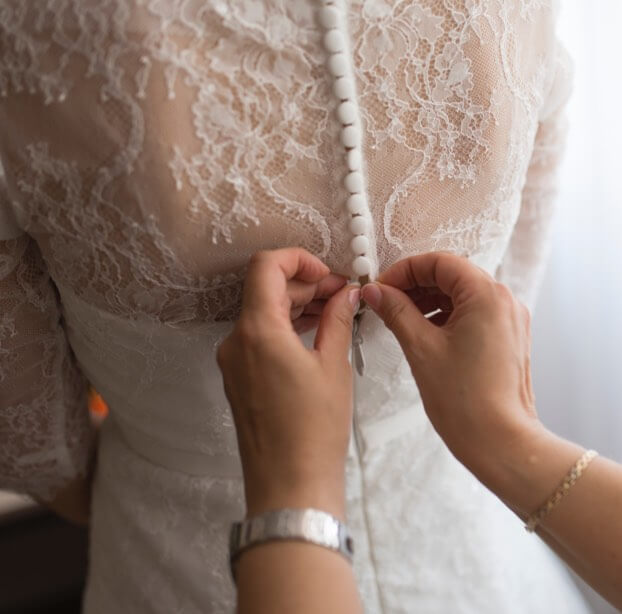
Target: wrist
{"points": [[327, 495], [526, 467]]}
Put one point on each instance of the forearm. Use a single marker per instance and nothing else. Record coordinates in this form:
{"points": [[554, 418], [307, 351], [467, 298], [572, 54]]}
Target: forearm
{"points": [[283, 577], [585, 528], [589, 529], [290, 576], [588, 574], [73, 501]]}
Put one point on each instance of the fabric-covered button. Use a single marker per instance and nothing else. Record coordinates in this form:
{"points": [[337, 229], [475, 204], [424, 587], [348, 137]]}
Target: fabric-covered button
{"points": [[354, 159], [346, 112], [354, 182], [359, 244], [359, 225], [361, 266], [338, 65], [343, 88], [350, 136], [356, 203], [334, 41], [329, 17]]}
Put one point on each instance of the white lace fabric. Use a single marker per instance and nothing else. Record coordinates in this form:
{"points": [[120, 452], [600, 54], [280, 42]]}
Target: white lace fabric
{"points": [[149, 147], [44, 428]]}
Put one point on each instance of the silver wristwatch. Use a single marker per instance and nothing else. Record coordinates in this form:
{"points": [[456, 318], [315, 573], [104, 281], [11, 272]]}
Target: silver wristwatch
{"points": [[308, 525]]}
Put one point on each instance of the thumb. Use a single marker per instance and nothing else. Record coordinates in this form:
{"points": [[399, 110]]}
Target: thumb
{"points": [[334, 333], [401, 316]]}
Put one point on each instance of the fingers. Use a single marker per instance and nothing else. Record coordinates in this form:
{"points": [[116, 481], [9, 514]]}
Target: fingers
{"points": [[265, 288], [305, 323], [302, 293], [413, 331], [334, 334], [454, 276], [312, 309], [440, 318], [315, 307], [429, 300], [327, 286]]}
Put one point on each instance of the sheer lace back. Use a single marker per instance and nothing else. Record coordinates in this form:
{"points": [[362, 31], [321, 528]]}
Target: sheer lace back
{"points": [[162, 143], [151, 146]]}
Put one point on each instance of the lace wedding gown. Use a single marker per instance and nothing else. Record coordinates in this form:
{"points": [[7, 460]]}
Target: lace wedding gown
{"points": [[149, 147]]}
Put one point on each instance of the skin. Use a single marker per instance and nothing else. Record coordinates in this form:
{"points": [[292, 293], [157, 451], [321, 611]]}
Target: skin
{"points": [[293, 408], [72, 502], [293, 425], [264, 334]]}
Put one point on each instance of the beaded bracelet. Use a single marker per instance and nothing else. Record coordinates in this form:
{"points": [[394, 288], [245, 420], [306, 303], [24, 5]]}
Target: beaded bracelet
{"points": [[561, 491]]}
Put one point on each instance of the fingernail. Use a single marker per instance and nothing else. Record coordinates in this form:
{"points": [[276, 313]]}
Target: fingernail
{"points": [[372, 295], [354, 297]]}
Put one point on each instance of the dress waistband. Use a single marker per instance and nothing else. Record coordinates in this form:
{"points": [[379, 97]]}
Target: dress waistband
{"points": [[194, 463], [188, 462]]}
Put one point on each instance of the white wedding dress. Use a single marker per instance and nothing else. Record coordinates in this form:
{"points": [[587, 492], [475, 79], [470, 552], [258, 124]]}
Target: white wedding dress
{"points": [[149, 147]]}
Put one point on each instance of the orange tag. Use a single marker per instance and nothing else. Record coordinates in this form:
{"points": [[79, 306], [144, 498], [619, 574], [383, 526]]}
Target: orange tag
{"points": [[96, 404]]}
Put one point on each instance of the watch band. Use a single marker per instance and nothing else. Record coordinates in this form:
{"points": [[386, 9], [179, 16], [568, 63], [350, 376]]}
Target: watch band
{"points": [[307, 525]]}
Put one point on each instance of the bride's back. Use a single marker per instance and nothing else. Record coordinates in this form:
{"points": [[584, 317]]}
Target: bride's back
{"points": [[149, 147]]}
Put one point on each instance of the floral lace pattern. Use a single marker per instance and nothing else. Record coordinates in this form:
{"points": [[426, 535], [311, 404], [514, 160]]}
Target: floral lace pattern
{"points": [[44, 431], [149, 147]]}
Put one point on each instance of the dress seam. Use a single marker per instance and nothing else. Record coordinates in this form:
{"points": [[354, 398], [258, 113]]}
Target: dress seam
{"points": [[366, 522]]}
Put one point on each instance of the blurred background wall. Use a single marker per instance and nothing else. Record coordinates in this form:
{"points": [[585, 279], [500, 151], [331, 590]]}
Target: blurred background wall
{"points": [[578, 319]]}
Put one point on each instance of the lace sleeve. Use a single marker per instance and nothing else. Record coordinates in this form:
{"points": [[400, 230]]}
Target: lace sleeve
{"points": [[525, 261], [45, 437]]}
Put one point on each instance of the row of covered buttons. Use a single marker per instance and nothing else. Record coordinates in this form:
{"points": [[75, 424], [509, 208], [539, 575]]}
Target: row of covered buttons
{"points": [[339, 66]]}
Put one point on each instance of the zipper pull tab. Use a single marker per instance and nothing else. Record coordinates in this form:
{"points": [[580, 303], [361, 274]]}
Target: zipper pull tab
{"points": [[357, 346], [359, 359]]}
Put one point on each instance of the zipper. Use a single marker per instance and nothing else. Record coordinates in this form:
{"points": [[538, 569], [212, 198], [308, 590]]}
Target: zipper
{"points": [[357, 442], [358, 360], [357, 344], [357, 339]]}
